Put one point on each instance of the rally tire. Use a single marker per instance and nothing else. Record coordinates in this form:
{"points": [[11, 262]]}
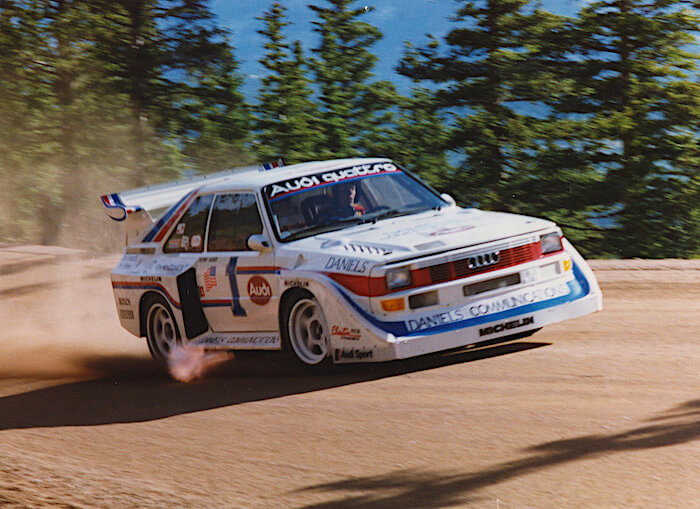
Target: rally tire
{"points": [[305, 332], [162, 334]]}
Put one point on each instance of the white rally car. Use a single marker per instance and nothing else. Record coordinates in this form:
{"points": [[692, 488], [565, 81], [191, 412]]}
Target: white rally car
{"points": [[344, 261]]}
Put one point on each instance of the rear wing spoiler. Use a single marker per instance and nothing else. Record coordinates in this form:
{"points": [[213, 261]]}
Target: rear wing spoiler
{"points": [[133, 207]]}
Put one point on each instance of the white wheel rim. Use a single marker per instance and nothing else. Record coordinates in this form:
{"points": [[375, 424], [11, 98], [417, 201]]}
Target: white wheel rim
{"points": [[162, 330], [308, 332]]}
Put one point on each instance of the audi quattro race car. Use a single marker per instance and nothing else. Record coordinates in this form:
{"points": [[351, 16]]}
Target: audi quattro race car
{"points": [[336, 261]]}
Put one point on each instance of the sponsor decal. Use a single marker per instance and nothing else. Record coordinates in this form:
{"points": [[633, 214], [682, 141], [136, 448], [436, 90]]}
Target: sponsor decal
{"points": [[337, 263], [151, 278], [294, 185], [449, 230], [268, 340], [166, 266], [518, 299], [428, 230], [171, 267], [327, 244], [180, 229], [185, 242], [487, 307], [259, 290], [174, 244], [209, 278], [420, 228], [352, 353], [124, 301], [426, 322], [130, 261], [329, 177], [196, 241], [345, 333], [513, 324], [126, 314], [297, 283]]}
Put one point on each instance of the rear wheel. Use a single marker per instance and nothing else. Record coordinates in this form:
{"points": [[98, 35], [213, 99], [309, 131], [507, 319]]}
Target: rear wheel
{"points": [[305, 331], [161, 329]]}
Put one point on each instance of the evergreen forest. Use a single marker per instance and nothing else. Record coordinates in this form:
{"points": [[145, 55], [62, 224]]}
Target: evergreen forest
{"points": [[592, 121]]}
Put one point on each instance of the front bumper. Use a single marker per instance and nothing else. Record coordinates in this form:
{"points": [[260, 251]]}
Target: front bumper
{"points": [[514, 323], [520, 310]]}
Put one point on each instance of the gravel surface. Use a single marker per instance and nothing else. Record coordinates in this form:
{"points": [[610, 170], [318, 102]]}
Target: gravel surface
{"points": [[601, 411]]}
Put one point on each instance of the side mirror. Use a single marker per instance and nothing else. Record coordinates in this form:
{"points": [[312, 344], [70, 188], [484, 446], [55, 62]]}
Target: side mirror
{"points": [[448, 199], [259, 243]]}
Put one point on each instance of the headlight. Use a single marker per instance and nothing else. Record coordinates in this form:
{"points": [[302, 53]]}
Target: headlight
{"points": [[398, 278], [550, 243]]}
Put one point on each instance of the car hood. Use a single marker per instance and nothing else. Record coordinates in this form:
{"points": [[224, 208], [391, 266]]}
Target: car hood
{"points": [[422, 234]]}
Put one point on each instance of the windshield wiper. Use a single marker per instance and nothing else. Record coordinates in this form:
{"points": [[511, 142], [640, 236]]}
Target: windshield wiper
{"points": [[325, 227], [354, 220], [395, 213]]}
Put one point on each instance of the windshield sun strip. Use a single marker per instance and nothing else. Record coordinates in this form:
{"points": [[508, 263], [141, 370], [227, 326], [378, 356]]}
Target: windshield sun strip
{"points": [[321, 184]]}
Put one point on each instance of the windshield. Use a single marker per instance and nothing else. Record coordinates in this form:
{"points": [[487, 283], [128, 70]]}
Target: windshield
{"points": [[332, 200]]}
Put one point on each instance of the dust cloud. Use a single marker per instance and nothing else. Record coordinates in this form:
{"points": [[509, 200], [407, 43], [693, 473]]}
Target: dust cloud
{"points": [[58, 320], [57, 315]]}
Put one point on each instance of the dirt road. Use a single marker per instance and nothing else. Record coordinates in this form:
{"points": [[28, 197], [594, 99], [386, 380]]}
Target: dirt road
{"points": [[602, 411]]}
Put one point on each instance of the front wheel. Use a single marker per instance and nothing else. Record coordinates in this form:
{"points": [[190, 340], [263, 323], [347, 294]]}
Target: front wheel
{"points": [[161, 330], [305, 331]]}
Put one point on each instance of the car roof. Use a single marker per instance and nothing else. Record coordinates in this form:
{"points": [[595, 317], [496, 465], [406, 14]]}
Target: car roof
{"points": [[253, 178]]}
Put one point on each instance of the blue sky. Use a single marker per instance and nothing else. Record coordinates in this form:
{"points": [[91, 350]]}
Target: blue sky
{"points": [[398, 20]]}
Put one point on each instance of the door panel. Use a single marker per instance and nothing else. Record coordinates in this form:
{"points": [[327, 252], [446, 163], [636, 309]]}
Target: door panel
{"points": [[239, 291], [239, 287]]}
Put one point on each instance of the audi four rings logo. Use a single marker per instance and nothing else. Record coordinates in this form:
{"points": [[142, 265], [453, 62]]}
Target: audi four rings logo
{"points": [[482, 260]]}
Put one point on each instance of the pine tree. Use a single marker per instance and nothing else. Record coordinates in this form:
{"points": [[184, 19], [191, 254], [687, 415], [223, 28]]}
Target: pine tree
{"points": [[636, 88], [178, 71], [213, 120], [287, 117], [57, 113], [491, 79], [102, 95], [420, 138], [507, 69], [353, 108], [17, 117]]}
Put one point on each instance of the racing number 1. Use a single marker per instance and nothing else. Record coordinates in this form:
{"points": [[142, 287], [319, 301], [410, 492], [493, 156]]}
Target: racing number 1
{"points": [[236, 307]]}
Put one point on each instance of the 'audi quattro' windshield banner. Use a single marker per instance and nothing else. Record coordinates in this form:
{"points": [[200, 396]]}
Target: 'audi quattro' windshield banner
{"points": [[280, 189]]}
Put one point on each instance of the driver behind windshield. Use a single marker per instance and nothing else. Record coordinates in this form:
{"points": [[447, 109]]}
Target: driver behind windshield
{"points": [[345, 205]]}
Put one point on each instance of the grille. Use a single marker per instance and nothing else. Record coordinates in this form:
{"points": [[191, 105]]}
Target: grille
{"points": [[439, 273], [471, 264]]}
